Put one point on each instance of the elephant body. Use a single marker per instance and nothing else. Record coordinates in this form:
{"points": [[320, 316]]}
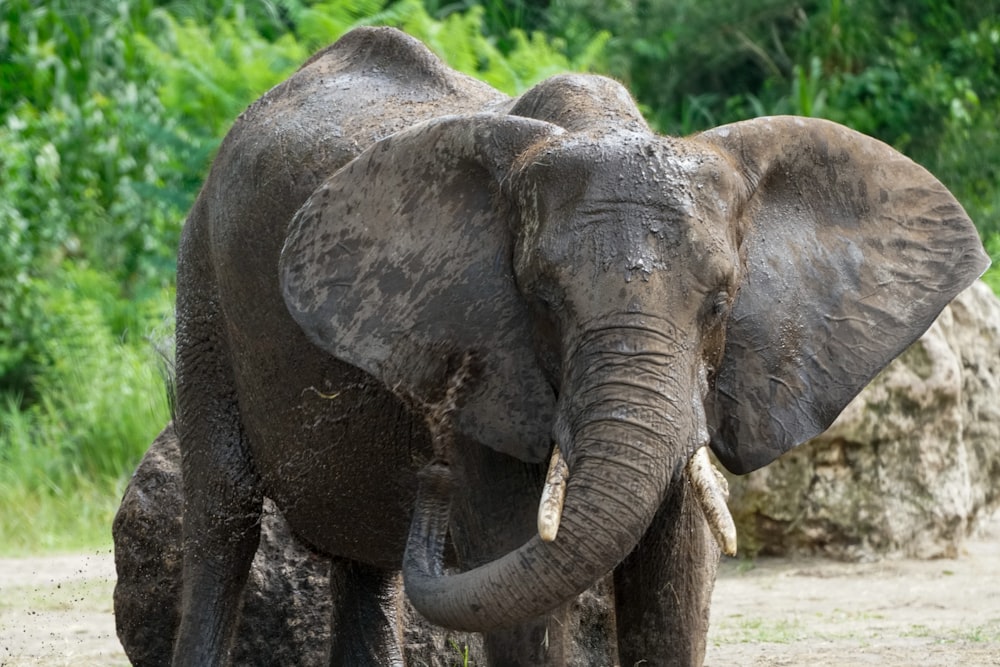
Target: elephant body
{"points": [[278, 152], [393, 268], [335, 448]]}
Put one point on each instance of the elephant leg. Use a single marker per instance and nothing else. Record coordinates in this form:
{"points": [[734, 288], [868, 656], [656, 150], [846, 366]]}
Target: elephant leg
{"points": [[365, 628], [221, 529], [494, 510], [222, 497], [663, 589]]}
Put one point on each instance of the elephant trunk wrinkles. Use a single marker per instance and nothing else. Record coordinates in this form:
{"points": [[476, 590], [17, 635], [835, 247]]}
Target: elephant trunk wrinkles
{"points": [[625, 433]]}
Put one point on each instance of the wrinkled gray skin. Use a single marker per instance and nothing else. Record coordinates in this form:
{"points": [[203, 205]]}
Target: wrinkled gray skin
{"points": [[626, 295]]}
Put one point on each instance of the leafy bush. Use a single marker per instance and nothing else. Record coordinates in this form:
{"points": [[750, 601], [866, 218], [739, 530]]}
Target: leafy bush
{"points": [[209, 72], [527, 58], [86, 257], [77, 167]]}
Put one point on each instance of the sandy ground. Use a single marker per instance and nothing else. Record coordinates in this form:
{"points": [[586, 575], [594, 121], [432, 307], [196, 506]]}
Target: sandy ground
{"points": [[773, 612], [777, 612], [58, 611]]}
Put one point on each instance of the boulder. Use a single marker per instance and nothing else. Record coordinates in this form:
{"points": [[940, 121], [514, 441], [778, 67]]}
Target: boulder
{"points": [[286, 606], [909, 466]]}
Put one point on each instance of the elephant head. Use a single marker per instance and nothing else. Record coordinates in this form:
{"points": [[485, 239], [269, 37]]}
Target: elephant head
{"points": [[630, 297]]}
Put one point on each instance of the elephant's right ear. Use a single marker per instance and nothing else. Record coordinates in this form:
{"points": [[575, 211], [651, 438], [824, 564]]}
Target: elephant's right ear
{"points": [[401, 262]]}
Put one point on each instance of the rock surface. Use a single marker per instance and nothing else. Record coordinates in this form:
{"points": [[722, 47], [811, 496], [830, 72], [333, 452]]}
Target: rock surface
{"points": [[286, 609], [907, 468], [286, 606]]}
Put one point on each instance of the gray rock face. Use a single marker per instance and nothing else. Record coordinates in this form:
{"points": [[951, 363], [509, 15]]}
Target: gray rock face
{"points": [[907, 468], [286, 607]]}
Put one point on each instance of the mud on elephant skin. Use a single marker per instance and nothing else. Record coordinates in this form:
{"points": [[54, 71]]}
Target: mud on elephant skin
{"points": [[397, 277]]}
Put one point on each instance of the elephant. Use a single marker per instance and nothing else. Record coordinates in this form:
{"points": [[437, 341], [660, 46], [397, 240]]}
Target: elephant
{"points": [[400, 293]]}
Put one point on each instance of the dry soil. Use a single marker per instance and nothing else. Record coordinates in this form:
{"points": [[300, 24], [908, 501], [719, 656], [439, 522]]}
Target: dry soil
{"points": [[772, 612]]}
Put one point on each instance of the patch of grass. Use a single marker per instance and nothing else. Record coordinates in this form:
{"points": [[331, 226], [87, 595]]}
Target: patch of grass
{"points": [[463, 653], [742, 630], [57, 520], [987, 633], [857, 626], [847, 615]]}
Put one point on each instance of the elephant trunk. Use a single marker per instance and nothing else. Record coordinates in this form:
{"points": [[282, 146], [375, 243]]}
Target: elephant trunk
{"points": [[624, 426]]}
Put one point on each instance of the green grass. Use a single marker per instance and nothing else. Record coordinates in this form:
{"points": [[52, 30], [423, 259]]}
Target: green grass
{"points": [[980, 634], [983, 633], [57, 519], [59, 491], [66, 454], [463, 653], [743, 630]]}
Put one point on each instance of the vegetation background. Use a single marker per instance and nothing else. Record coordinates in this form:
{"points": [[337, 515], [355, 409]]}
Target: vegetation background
{"points": [[111, 110]]}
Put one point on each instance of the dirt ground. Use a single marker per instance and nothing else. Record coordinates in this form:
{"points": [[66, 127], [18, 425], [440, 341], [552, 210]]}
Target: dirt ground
{"points": [[57, 611], [937, 613]]}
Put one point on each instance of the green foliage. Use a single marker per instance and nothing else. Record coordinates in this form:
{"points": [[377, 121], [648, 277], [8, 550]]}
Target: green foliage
{"points": [[86, 251], [320, 24], [76, 167], [100, 402], [459, 40], [463, 654], [208, 73], [501, 18]]}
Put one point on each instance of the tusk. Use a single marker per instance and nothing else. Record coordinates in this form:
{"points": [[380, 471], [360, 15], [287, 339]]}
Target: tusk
{"points": [[711, 490], [553, 495]]}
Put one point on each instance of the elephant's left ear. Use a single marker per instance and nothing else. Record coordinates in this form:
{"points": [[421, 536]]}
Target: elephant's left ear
{"points": [[851, 250], [400, 264]]}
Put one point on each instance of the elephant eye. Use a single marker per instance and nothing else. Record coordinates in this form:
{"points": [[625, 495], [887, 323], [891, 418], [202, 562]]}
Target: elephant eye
{"points": [[720, 305]]}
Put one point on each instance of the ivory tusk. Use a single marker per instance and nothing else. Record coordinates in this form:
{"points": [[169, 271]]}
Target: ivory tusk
{"points": [[553, 495], [711, 490]]}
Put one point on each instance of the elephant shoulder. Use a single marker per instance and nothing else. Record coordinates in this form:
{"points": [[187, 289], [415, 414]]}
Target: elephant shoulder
{"points": [[370, 83], [388, 56]]}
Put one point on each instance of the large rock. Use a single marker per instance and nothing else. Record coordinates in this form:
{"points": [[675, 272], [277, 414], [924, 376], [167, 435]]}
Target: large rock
{"points": [[285, 611], [909, 466], [286, 608]]}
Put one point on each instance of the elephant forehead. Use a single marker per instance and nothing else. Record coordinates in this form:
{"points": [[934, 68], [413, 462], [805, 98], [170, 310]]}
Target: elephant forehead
{"points": [[661, 173], [629, 204]]}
